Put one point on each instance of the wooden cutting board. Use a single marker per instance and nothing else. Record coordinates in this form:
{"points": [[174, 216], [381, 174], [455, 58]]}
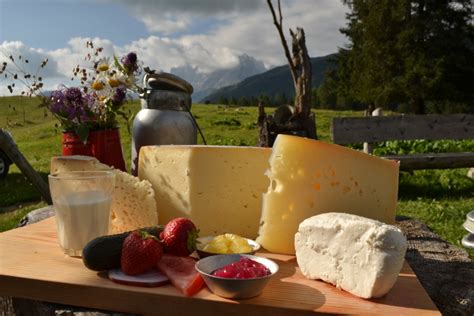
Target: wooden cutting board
{"points": [[33, 266]]}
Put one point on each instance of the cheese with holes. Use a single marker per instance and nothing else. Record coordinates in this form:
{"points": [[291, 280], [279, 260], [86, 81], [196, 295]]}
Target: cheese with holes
{"points": [[309, 177], [218, 187], [359, 255], [133, 203]]}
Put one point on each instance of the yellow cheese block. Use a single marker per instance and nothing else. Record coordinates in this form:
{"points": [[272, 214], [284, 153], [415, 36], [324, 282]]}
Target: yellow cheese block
{"points": [[218, 187], [309, 177]]}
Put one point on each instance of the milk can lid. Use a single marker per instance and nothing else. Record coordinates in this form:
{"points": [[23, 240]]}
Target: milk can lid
{"points": [[166, 81]]}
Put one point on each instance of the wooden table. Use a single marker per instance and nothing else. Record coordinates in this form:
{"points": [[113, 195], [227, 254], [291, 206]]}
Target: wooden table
{"points": [[33, 266]]}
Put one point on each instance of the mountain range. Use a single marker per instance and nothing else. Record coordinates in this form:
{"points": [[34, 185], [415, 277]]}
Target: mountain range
{"points": [[206, 83], [272, 82]]}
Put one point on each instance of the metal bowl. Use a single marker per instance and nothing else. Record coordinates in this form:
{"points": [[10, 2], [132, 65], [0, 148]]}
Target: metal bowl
{"points": [[202, 241], [234, 288]]}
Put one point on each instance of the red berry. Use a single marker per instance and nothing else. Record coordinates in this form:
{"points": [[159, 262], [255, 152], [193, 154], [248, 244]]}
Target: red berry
{"points": [[179, 237], [140, 252]]}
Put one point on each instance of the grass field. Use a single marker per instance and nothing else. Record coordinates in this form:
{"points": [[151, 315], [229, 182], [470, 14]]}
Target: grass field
{"points": [[439, 198]]}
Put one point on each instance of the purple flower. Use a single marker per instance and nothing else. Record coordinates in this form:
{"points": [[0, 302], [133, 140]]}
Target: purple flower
{"points": [[74, 94], [130, 59], [57, 101], [119, 96], [130, 62]]}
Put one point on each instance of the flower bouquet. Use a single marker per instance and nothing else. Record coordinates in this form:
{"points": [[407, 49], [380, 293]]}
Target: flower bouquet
{"points": [[96, 105], [88, 114]]}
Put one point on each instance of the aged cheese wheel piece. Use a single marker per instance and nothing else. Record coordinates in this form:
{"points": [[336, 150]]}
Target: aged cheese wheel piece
{"points": [[359, 255], [133, 203], [309, 177], [218, 187]]}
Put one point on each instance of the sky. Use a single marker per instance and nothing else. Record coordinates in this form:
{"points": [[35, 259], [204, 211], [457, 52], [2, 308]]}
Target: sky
{"points": [[208, 34]]}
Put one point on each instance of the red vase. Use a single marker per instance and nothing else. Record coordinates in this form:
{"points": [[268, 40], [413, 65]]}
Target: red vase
{"points": [[104, 145]]}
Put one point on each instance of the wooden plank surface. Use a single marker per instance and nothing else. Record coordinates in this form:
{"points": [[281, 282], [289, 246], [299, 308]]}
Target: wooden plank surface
{"points": [[348, 130], [434, 161], [33, 266]]}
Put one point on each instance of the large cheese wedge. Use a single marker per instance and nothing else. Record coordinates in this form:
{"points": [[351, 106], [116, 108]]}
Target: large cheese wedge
{"points": [[133, 204], [309, 177], [218, 187], [359, 255]]}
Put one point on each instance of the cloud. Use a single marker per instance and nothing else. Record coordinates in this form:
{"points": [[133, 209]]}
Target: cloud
{"points": [[245, 27], [168, 17], [242, 27], [58, 70], [26, 61]]}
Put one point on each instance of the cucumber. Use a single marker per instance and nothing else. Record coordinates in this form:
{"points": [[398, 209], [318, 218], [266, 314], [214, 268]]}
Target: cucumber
{"points": [[103, 253]]}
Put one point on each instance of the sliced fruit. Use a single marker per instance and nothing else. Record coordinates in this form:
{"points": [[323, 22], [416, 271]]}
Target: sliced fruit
{"points": [[181, 272], [228, 243]]}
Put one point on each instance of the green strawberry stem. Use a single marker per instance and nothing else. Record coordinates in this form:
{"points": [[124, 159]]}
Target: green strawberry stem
{"points": [[145, 235], [192, 241]]}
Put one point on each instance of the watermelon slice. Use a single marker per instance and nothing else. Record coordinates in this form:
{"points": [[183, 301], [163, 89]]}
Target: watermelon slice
{"points": [[182, 274]]}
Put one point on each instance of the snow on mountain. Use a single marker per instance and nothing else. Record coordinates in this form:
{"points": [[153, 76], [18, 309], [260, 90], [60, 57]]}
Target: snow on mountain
{"points": [[205, 83]]}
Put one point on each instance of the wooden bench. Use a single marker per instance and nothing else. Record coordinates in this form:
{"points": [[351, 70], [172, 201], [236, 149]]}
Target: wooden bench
{"points": [[373, 129]]}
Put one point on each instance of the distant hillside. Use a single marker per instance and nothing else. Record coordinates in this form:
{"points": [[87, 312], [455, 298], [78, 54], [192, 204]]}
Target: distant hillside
{"points": [[272, 82]]}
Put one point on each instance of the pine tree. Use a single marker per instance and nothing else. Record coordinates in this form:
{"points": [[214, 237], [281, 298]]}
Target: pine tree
{"points": [[408, 51]]}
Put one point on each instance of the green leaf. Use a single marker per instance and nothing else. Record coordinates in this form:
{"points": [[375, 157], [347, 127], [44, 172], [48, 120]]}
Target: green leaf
{"points": [[118, 64], [82, 131]]}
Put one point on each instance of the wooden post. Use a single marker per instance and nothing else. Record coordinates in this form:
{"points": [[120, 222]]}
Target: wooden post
{"points": [[11, 149], [369, 147]]}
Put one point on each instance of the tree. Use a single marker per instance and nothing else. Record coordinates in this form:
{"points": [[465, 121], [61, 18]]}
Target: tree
{"points": [[280, 98], [243, 101], [302, 121], [223, 100], [408, 51], [327, 92]]}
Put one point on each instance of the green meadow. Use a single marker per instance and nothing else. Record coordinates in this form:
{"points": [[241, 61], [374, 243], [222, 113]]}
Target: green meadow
{"points": [[439, 198]]}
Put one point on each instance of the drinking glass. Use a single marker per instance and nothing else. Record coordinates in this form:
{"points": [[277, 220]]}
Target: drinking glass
{"points": [[82, 202]]}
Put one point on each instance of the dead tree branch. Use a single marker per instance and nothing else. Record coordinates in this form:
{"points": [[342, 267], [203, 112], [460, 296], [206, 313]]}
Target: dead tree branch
{"points": [[300, 121], [279, 25]]}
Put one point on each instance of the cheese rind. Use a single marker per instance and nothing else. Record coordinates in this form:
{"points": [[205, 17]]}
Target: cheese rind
{"points": [[357, 254], [133, 203], [218, 187], [309, 177]]}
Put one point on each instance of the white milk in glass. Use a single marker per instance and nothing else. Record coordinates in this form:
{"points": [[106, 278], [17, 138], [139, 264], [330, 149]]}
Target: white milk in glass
{"points": [[81, 217]]}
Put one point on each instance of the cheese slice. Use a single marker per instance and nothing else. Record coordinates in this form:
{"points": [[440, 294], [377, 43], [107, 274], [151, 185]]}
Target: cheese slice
{"points": [[218, 187], [133, 203], [309, 177], [359, 255]]}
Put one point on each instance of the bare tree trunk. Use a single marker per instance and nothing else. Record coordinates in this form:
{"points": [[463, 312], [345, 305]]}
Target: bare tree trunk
{"points": [[9, 147], [302, 122], [303, 72]]}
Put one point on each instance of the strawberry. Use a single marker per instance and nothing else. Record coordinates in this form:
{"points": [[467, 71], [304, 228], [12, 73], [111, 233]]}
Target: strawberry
{"points": [[179, 237], [140, 252]]}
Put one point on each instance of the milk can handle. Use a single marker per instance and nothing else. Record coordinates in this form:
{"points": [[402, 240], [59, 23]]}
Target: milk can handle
{"points": [[146, 87]]}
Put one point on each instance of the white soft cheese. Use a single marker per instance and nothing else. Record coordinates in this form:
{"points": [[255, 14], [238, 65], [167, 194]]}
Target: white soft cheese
{"points": [[359, 255]]}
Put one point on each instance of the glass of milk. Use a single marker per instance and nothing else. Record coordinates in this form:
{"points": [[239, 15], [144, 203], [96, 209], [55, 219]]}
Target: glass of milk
{"points": [[82, 202]]}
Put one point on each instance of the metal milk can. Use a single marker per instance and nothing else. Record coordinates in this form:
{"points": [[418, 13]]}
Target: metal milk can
{"points": [[165, 117]]}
